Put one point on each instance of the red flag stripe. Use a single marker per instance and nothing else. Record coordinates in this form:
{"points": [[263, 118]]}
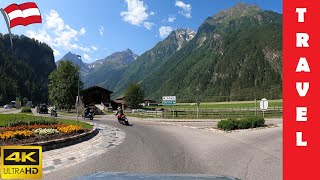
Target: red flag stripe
{"points": [[11, 8], [25, 21], [28, 6], [22, 7]]}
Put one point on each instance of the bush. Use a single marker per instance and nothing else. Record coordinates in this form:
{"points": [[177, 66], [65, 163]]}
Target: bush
{"points": [[246, 123], [228, 125], [26, 110]]}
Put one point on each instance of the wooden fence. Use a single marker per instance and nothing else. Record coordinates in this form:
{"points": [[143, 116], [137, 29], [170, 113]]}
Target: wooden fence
{"points": [[205, 113]]}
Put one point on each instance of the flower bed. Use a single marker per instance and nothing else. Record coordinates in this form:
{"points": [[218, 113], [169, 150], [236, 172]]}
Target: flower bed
{"points": [[21, 133]]}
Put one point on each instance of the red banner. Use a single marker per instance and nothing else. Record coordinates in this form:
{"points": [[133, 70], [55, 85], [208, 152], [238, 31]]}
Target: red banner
{"points": [[301, 89]]}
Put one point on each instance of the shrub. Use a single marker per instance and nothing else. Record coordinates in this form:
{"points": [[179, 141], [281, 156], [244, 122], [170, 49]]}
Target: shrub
{"points": [[44, 132], [26, 110], [256, 121], [246, 123], [228, 125]]}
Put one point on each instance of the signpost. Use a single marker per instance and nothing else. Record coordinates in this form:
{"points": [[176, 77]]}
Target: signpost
{"points": [[264, 105], [198, 104], [169, 101]]}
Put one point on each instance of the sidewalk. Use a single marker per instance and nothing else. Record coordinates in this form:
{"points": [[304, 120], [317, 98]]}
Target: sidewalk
{"points": [[108, 138]]}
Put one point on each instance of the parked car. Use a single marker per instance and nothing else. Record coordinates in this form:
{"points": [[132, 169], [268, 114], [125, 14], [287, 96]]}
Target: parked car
{"points": [[42, 109], [7, 106], [13, 104]]}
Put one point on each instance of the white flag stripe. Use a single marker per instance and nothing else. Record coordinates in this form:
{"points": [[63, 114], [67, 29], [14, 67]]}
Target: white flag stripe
{"points": [[25, 13]]}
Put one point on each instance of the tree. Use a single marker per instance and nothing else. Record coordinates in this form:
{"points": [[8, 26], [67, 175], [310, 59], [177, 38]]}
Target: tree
{"points": [[63, 85], [134, 95], [25, 101]]}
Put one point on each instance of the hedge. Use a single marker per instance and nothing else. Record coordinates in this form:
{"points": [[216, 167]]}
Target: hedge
{"points": [[26, 110], [246, 123]]}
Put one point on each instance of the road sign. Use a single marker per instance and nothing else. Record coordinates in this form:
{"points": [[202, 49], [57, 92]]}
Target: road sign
{"points": [[169, 100], [168, 103], [264, 104]]}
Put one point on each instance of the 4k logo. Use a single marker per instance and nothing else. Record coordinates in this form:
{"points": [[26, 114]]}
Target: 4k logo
{"points": [[21, 162]]}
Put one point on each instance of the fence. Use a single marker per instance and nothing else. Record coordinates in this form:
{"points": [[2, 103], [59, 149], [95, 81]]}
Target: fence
{"points": [[223, 113]]}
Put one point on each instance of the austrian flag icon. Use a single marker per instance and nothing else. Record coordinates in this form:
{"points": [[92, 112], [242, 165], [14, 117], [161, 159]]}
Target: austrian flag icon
{"points": [[23, 14]]}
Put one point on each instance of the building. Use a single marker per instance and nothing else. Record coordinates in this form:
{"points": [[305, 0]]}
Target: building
{"points": [[148, 102], [97, 95]]}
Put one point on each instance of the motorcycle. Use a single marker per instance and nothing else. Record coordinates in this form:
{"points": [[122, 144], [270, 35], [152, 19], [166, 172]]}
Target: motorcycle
{"points": [[53, 113], [89, 115], [123, 120]]}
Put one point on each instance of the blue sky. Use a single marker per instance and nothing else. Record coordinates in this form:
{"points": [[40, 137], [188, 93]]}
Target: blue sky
{"points": [[95, 29]]}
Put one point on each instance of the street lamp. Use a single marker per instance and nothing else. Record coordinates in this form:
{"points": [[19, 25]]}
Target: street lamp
{"points": [[78, 99]]}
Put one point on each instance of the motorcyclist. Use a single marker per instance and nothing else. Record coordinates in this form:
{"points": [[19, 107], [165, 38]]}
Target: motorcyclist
{"points": [[86, 111], [119, 113]]}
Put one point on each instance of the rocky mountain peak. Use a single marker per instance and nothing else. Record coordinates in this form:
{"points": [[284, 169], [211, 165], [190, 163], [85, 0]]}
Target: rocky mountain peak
{"points": [[181, 37], [238, 11]]}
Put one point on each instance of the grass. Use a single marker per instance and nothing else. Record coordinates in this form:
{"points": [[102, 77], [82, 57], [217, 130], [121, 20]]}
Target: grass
{"points": [[223, 105], [25, 117]]}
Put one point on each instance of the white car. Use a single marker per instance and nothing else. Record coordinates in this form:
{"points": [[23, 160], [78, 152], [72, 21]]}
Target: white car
{"points": [[7, 106]]}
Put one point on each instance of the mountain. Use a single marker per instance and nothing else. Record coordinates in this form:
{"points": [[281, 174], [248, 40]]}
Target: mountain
{"points": [[84, 68], [154, 58], [24, 71], [235, 55], [108, 71]]}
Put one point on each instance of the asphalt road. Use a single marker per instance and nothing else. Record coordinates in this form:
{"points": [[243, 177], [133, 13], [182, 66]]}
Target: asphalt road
{"points": [[160, 148]]}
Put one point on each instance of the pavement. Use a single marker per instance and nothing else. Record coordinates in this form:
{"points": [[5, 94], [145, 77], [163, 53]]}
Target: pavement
{"points": [[108, 137], [172, 148]]}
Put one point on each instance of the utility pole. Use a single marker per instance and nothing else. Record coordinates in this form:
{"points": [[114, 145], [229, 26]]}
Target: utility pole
{"points": [[78, 98]]}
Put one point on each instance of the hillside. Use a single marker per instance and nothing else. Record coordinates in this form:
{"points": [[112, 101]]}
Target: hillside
{"points": [[24, 73], [149, 61], [236, 55]]}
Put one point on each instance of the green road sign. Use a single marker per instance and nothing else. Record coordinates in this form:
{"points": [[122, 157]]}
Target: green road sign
{"points": [[165, 103]]}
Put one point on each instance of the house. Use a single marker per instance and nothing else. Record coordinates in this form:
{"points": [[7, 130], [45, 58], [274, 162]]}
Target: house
{"points": [[97, 95], [121, 102], [148, 102]]}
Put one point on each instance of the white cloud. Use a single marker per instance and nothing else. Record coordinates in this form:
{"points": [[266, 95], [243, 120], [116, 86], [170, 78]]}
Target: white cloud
{"points": [[57, 34], [94, 48], [87, 57], [148, 25], [186, 8], [56, 52], [137, 13], [101, 30], [165, 31], [171, 19], [83, 31]]}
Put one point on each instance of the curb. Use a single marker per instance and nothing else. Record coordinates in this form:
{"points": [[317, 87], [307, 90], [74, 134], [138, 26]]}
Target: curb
{"points": [[64, 142]]}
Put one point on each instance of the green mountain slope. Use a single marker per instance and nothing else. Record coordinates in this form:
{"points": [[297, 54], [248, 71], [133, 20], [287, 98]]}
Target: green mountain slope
{"points": [[149, 61], [24, 72], [236, 55]]}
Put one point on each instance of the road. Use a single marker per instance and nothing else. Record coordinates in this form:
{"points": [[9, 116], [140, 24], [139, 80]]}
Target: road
{"points": [[162, 148]]}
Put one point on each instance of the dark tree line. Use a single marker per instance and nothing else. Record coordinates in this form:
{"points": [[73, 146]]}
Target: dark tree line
{"points": [[24, 71]]}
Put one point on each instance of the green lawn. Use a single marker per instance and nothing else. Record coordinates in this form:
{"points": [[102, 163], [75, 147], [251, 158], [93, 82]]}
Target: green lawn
{"points": [[25, 117], [223, 105]]}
